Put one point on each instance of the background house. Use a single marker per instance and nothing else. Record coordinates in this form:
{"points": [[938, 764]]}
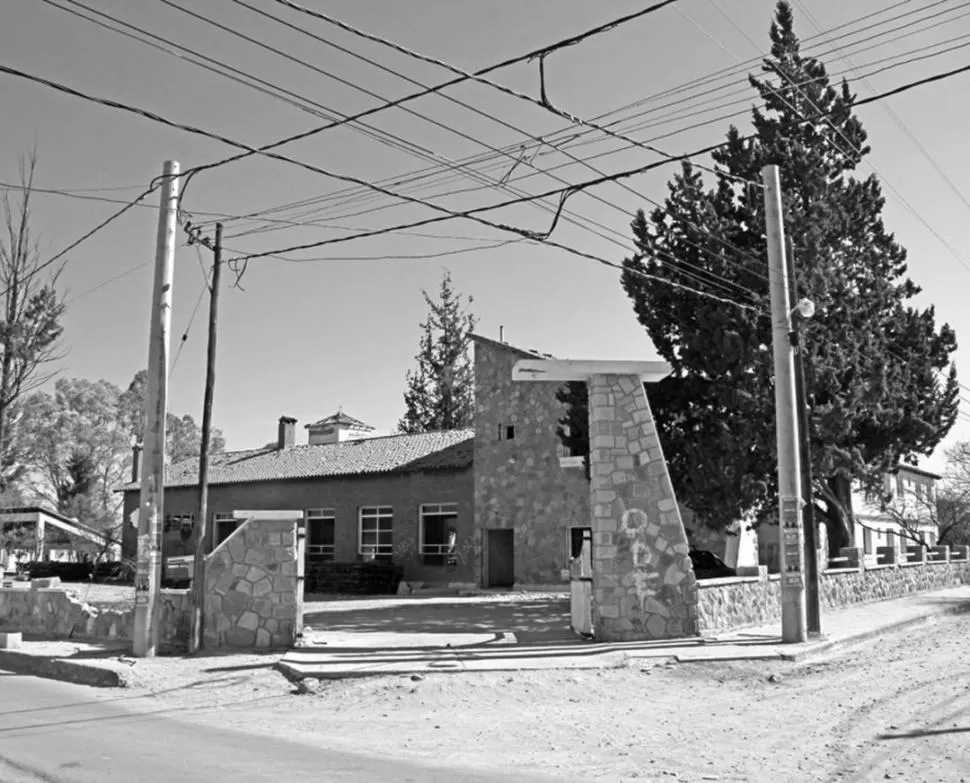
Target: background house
{"points": [[909, 495], [34, 533], [401, 497]]}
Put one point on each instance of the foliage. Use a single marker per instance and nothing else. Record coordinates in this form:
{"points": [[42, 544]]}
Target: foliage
{"points": [[573, 427], [439, 394], [872, 359], [953, 499], [30, 316], [183, 437], [78, 448]]}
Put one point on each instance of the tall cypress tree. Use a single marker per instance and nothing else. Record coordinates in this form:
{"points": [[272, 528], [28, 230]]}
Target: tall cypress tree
{"points": [[439, 393], [873, 360]]}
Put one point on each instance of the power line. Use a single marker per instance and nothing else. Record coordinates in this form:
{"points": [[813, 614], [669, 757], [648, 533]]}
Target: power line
{"points": [[88, 234], [109, 281], [195, 310], [542, 101]]}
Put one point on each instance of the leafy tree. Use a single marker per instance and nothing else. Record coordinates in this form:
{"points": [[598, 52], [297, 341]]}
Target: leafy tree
{"points": [[183, 437], [439, 393], [30, 315], [78, 449], [872, 359]]}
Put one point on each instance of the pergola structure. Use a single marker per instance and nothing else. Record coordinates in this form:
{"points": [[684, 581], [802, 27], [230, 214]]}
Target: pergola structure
{"points": [[643, 584], [37, 545]]}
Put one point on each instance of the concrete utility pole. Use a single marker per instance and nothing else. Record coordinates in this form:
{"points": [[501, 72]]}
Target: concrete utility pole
{"points": [[789, 477], [198, 566], [813, 598], [148, 573]]}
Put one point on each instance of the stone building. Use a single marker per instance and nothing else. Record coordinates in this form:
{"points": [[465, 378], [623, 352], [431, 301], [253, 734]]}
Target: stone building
{"points": [[403, 498], [531, 497]]}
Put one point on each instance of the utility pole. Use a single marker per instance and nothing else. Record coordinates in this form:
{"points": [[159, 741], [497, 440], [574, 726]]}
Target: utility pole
{"points": [[813, 598], [789, 481], [148, 573], [198, 565]]}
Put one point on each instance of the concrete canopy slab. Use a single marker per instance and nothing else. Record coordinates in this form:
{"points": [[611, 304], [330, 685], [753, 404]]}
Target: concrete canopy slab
{"points": [[583, 369]]}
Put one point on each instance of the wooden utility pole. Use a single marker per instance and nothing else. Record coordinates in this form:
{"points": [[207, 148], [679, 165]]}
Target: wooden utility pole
{"points": [[198, 566], [148, 573], [813, 598], [789, 478]]}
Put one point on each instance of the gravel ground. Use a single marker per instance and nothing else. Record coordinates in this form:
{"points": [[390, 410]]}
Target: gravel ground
{"points": [[894, 708]]}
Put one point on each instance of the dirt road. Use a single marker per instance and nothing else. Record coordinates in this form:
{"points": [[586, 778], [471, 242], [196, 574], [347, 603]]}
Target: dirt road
{"points": [[894, 708]]}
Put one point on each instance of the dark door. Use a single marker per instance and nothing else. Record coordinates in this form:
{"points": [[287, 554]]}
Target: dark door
{"points": [[501, 558]]}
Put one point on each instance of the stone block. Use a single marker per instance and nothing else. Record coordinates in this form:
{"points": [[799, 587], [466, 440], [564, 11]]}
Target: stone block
{"points": [[235, 603], [254, 574], [237, 548], [256, 557], [656, 627], [263, 638], [240, 569], [288, 599], [281, 612], [222, 623], [263, 587], [282, 640], [240, 637], [249, 620], [271, 624], [284, 584], [608, 610]]}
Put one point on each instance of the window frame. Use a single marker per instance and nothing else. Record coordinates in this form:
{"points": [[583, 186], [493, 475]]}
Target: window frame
{"points": [[321, 552], [219, 518], [376, 513], [443, 552]]}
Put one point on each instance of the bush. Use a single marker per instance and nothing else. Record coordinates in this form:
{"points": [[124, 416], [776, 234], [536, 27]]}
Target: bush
{"points": [[366, 578], [113, 571], [68, 572]]}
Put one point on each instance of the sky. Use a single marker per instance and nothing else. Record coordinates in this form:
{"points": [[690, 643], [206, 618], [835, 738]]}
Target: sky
{"points": [[339, 326]]}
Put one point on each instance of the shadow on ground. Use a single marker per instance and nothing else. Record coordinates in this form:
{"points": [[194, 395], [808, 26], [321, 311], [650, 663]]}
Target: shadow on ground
{"points": [[534, 621]]}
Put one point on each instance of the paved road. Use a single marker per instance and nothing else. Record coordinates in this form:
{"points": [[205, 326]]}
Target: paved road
{"points": [[52, 732]]}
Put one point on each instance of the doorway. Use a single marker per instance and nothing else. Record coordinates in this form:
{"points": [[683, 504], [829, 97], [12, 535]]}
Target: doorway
{"points": [[500, 558]]}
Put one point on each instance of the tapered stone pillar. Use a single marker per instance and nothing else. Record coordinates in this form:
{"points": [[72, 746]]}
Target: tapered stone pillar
{"points": [[643, 583]]}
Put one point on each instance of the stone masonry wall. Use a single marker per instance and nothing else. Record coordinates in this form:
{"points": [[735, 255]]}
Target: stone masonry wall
{"points": [[57, 612], [519, 483], [739, 603], [643, 583], [252, 587]]}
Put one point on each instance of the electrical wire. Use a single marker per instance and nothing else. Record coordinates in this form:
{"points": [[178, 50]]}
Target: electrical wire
{"points": [[109, 281], [198, 302], [852, 145], [542, 101], [90, 233]]}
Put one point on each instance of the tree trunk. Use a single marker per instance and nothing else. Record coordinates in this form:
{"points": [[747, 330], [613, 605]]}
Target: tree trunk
{"points": [[836, 493]]}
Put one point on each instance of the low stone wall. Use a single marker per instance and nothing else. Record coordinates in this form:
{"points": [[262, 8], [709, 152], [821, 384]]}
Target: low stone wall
{"points": [[744, 602], [57, 613], [251, 587]]}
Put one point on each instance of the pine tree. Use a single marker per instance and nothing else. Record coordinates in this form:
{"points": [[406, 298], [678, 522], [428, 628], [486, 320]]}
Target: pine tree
{"points": [[439, 392], [873, 361]]}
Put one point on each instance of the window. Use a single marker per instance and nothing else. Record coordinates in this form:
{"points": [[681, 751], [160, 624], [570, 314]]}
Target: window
{"points": [[891, 538], [175, 523], [223, 524], [437, 522], [375, 532], [320, 534], [867, 540], [506, 432]]}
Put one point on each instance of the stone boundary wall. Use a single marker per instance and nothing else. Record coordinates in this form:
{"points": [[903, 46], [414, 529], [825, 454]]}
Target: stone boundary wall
{"points": [[57, 612], [749, 601], [251, 587]]}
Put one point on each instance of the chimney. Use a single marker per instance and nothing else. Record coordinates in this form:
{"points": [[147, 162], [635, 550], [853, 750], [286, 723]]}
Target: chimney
{"points": [[135, 462], [287, 433]]}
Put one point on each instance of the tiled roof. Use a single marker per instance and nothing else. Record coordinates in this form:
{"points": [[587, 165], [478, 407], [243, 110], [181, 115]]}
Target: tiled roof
{"points": [[390, 454], [340, 418]]}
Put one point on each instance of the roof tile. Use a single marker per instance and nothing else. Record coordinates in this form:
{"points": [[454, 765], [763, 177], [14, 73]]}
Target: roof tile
{"points": [[393, 453]]}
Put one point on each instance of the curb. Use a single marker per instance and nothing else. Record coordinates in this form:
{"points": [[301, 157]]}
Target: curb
{"points": [[863, 636], [60, 669]]}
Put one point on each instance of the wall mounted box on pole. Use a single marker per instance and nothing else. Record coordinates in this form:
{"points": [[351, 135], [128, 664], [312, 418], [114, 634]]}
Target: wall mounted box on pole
{"points": [[148, 570], [793, 622]]}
